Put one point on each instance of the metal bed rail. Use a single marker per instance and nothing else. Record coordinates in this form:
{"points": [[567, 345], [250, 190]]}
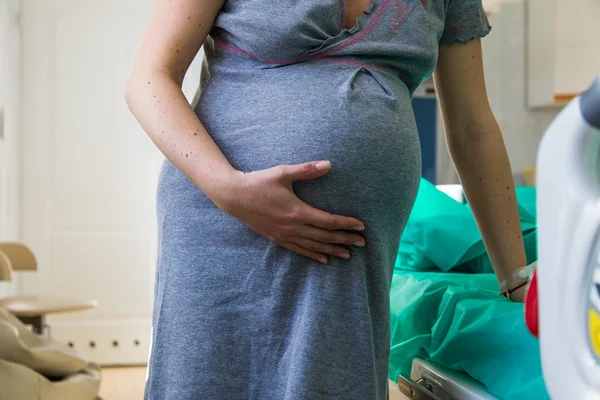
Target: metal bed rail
{"points": [[430, 381]]}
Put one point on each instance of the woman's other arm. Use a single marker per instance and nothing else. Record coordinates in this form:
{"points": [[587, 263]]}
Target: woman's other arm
{"points": [[478, 151]]}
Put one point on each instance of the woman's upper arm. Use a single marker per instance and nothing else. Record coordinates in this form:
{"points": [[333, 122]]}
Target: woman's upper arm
{"points": [[177, 30], [460, 85]]}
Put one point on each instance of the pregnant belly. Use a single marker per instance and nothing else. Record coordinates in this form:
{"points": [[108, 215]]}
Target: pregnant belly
{"points": [[353, 116]]}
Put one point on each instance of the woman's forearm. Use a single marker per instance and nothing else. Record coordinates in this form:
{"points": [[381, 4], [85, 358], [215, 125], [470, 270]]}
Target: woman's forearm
{"points": [[159, 105], [483, 166]]}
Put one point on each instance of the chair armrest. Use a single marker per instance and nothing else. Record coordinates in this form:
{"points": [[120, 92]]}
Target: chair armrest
{"points": [[20, 256], [5, 268]]}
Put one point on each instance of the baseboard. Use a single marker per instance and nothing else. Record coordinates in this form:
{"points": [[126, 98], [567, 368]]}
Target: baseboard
{"points": [[108, 343]]}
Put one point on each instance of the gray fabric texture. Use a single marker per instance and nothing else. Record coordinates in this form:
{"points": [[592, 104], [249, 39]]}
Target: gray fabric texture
{"points": [[239, 317]]}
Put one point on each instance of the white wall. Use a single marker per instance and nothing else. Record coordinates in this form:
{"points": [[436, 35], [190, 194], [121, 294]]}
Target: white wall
{"points": [[10, 145], [504, 58], [577, 54]]}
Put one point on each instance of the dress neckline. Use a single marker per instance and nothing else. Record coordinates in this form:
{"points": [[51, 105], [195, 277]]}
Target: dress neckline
{"points": [[361, 20]]}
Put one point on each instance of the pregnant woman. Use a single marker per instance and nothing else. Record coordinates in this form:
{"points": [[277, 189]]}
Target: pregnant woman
{"points": [[288, 182]]}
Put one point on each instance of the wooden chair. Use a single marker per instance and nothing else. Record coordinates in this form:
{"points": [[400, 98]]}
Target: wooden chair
{"points": [[32, 310]]}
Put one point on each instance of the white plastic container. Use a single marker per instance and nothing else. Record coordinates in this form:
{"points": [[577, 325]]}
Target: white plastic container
{"points": [[568, 207]]}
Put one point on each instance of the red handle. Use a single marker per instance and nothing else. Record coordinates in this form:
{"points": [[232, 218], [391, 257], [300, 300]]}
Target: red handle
{"points": [[531, 307]]}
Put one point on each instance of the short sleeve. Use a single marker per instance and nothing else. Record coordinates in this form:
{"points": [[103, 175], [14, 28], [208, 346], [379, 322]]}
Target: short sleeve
{"points": [[465, 20]]}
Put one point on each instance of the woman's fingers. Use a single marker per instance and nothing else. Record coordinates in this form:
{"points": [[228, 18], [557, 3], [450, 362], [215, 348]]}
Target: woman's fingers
{"points": [[326, 236], [266, 202], [322, 248], [304, 171], [322, 258], [331, 222]]}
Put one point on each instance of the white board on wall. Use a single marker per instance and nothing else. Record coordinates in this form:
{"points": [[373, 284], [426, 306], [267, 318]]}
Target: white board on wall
{"points": [[562, 49]]}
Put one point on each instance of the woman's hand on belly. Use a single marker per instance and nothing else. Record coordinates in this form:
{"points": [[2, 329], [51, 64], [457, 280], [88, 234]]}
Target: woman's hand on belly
{"points": [[265, 201]]}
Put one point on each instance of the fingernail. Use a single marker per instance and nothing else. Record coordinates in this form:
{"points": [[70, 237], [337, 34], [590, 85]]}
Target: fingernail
{"points": [[323, 260], [359, 228], [360, 243], [323, 165], [345, 255]]}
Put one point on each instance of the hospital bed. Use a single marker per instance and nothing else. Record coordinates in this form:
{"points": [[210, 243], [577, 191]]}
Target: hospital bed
{"points": [[452, 332], [568, 184], [429, 381]]}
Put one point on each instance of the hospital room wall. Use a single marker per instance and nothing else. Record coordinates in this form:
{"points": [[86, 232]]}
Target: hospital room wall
{"points": [[504, 54], [9, 139], [505, 68]]}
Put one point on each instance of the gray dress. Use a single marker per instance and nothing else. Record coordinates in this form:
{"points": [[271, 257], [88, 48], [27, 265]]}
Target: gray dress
{"points": [[239, 317]]}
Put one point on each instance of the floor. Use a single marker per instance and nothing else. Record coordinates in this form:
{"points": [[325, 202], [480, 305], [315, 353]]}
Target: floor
{"points": [[128, 384], [123, 383]]}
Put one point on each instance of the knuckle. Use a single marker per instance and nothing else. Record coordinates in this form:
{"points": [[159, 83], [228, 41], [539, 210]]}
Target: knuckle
{"points": [[331, 250], [331, 223], [281, 170], [306, 170], [349, 223], [276, 237], [293, 214], [336, 238], [290, 246], [286, 229], [313, 246], [328, 239], [349, 239], [340, 239], [337, 250], [305, 253]]}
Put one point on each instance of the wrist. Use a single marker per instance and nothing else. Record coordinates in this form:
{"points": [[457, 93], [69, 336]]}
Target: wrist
{"points": [[519, 294], [223, 188], [518, 280]]}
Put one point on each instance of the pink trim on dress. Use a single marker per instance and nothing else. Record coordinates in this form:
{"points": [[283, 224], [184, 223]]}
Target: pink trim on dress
{"points": [[318, 55], [237, 50], [354, 63]]}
